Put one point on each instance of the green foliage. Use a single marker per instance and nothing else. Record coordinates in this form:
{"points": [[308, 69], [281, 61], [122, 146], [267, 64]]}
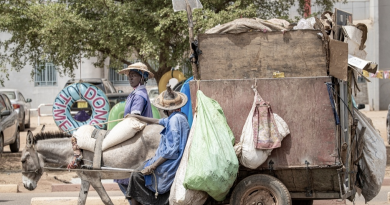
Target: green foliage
{"points": [[64, 31]]}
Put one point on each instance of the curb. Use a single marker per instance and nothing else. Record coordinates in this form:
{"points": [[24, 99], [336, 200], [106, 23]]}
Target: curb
{"points": [[76, 187], [386, 181], [117, 200], [9, 188]]}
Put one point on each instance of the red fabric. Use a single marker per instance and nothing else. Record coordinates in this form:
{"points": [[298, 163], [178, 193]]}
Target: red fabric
{"points": [[265, 131]]}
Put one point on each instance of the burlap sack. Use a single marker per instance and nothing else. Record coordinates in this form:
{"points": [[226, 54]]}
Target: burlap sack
{"points": [[123, 131], [84, 139]]}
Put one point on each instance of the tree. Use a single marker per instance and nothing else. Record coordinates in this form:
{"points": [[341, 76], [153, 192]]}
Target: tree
{"points": [[66, 30]]}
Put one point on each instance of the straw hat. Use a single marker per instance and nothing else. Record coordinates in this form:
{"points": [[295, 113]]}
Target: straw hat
{"points": [[136, 66], [170, 100]]}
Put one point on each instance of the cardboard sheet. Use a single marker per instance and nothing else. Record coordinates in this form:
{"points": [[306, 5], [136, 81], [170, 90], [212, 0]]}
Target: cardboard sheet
{"points": [[338, 65]]}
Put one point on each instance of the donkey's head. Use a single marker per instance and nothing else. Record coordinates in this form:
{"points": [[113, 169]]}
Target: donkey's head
{"points": [[32, 165]]}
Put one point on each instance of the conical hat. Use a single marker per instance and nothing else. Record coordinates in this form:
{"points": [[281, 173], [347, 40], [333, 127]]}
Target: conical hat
{"points": [[136, 66], [170, 100]]}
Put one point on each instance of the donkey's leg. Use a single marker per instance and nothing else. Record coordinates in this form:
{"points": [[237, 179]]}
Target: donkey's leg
{"points": [[94, 179], [83, 192], [98, 186]]}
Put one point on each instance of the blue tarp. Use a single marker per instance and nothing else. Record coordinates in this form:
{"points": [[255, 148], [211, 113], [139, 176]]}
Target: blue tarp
{"points": [[187, 108]]}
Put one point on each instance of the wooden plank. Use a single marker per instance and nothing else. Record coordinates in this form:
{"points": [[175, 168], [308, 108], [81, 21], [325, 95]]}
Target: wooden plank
{"points": [[302, 102], [257, 55]]}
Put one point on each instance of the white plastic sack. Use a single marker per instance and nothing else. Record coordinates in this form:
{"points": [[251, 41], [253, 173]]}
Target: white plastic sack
{"points": [[181, 5], [373, 162], [123, 131], [180, 195], [305, 23], [246, 152], [84, 139]]}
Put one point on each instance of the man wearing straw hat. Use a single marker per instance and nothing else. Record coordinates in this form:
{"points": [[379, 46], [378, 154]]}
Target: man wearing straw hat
{"points": [[153, 183], [137, 103]]}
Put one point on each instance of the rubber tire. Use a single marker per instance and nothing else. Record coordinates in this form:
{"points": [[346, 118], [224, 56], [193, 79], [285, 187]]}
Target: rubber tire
{"points": [[302, 202], [265, 181], [14, 147], [1, 144], [28, 124], [22, 125]]}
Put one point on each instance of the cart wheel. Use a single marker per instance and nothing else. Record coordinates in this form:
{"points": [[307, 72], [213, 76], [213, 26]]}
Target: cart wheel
{"points": [[302, 202], [260, 189]]}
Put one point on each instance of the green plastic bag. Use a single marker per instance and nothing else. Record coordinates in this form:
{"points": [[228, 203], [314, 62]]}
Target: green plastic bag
{"points": [[212, 166]]}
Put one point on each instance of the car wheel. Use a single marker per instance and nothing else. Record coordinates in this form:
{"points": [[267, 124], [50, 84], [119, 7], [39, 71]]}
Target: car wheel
{"points": [[22, 125], [1, 144], [28, 124], [14, 147]]}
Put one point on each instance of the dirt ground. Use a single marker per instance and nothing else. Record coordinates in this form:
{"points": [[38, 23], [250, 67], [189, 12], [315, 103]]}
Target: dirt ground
{"points": [[10, 166]]}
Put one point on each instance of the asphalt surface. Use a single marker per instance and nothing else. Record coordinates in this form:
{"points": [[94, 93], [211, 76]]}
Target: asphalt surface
{"points": [[25, 198]]}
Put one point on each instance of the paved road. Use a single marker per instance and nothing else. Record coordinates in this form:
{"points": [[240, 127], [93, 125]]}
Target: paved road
{"points": [[25, 198]]}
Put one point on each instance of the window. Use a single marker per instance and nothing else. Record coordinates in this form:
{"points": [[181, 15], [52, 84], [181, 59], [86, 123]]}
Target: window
{"points": [[21, 97], [45, 75], [8, 103], [117, 78], [10, 94], [3, 107]]}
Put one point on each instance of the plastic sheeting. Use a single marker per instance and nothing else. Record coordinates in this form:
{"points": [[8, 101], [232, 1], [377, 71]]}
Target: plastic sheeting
{"points": [[212, 165], [181, 5], [243, 25], [187, 108], [180, 195], [373, 162]]}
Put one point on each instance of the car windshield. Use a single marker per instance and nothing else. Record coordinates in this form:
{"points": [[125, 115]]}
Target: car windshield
{"points": [[10, 94]]}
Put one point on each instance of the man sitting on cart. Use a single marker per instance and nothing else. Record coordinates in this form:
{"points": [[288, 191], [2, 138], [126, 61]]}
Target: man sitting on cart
{"points": [[153, 183]]}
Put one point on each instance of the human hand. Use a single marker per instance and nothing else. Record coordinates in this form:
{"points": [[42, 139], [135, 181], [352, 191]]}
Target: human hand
{"points": [[131, 115], [148, 170]]}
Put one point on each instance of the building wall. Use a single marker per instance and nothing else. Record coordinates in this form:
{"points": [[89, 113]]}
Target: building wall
{"points": [[384, 51], [46, 94]]}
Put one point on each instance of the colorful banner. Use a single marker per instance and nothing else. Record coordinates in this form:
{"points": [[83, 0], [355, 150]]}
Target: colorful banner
{"points": [[381, 74]]}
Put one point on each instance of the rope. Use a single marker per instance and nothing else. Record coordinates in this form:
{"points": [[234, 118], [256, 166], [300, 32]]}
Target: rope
{"points": [[97, 124]]}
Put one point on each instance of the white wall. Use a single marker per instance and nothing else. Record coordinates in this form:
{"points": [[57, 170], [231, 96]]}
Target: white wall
{"points": [[46, 94]]}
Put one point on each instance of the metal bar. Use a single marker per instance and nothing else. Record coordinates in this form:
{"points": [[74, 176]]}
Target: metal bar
{"points": [[345, 128], [103, 169]]}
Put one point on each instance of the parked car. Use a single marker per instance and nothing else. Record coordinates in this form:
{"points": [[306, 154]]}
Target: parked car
{"points": [[21, 105], [106, 86], [153, 93], [9, 125], [388, 124]]}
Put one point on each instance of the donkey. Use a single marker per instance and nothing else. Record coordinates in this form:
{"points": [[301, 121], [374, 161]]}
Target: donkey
{"points": [[56, 147]]}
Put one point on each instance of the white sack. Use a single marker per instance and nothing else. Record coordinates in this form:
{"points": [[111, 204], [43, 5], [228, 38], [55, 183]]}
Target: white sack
{"points": [[245, 150], [84, 139], [180, 195], [123, 131]]}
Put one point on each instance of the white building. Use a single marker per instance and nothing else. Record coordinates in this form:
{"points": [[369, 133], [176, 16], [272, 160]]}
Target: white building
{"points": [[375, 14]]}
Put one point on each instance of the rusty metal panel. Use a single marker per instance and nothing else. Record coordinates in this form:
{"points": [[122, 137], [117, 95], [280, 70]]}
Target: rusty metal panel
{"points": [[251, 55], [302, 102]]}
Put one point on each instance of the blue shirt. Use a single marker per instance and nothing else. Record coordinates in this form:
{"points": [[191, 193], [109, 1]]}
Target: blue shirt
{"points": [[172, 143], [137, 103]]}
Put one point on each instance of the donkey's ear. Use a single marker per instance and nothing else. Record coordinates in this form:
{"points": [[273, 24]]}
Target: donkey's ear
{"points": [[29, 139], [43, 128]]}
